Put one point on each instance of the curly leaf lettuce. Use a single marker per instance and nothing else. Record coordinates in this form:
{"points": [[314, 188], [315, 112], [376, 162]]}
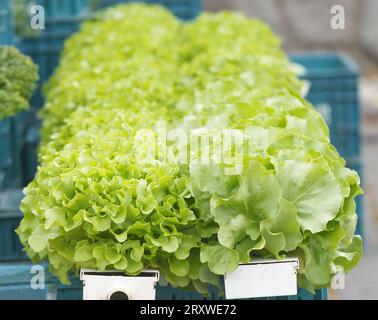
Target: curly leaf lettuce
{"points": [[18, 80], [97, 203]]}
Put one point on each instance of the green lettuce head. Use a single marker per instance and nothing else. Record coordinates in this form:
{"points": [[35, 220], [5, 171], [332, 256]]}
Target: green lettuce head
{"points": [[279, 189], [18, 79]]}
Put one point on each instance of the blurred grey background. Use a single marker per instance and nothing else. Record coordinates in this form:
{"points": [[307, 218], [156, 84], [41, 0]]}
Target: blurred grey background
{"points": [[305, 25]]}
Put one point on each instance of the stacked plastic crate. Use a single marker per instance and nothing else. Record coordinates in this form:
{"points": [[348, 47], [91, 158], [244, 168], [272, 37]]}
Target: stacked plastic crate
{"points": [[5, 150], [334, 87], [11, 179], [6, 37]]}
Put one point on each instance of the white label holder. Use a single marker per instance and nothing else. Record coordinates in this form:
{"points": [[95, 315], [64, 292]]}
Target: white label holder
{"points": [[263, 278], [116, 285]]}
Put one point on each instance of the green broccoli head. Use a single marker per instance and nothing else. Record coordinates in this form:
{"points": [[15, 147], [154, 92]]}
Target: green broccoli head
{"points": [[18, 80]]}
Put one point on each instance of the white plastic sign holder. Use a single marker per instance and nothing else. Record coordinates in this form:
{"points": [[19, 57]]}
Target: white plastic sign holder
{"points": [[116, 285], [262, 278]]}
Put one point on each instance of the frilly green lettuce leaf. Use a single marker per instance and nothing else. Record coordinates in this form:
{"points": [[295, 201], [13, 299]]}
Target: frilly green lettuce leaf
{"points": [[220, 259]]}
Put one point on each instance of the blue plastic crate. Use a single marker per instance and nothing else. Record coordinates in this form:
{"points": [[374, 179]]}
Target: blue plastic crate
{"points": [[10, 152], [6, 26], [334, 91], [10, 217], [169, 293], [15, 280], [19, 123], [15, 284], [19, 138], [61, 8], [5, 150]]}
